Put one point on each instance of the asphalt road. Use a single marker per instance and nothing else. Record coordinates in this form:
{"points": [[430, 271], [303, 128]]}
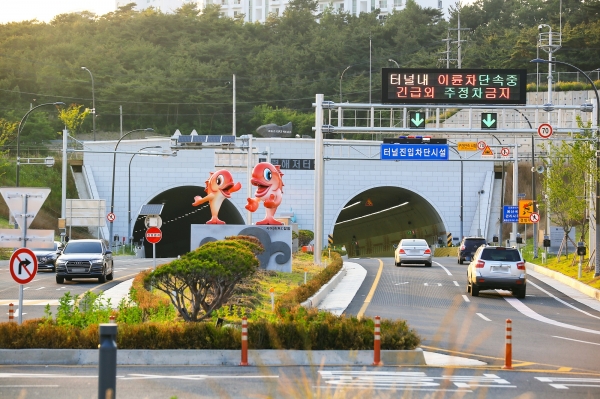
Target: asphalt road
{"points": [[44, 289], [550, 330], [185, 382]]}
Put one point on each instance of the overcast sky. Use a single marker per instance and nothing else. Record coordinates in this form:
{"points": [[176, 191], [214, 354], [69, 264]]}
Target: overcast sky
{"points": [[45, 10]]}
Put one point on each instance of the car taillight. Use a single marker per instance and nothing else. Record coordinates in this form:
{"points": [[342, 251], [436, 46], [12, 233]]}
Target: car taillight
{"points": [[521, 265], [479, 264], [462, 247], [401, 251], [427, 251]]}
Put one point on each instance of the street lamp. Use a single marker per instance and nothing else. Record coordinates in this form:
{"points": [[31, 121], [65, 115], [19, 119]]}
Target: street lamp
{"points": [[479, 224], [129, 191], [348, 67], [20, 129], [394, 61], [542, 61], [93, 104], [112, 196]]}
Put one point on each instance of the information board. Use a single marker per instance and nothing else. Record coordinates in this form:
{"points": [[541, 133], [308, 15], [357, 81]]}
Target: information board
{"points": [[452, 86], [510, 214], [414, 152]]}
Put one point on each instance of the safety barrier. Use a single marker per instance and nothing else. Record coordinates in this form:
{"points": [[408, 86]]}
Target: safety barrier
{"points": [[508, 351], [11, 312], [244, 361], [377, 343]]}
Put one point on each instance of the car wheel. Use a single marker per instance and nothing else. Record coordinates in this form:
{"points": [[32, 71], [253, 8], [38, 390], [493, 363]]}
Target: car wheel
{"points": [[53, 269], [520, 293], [428, 264], [474, 290], [468, 288], [460, 261], [69, 278], [110, 276], [102, 278], [60, 279]]}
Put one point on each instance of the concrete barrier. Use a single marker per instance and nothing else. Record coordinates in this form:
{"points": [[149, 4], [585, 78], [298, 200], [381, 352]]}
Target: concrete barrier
{"points": [[571, 282], [85, 357], [314, 300]]}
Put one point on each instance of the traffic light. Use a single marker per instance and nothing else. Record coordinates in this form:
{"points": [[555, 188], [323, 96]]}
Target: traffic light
{"points": [[489, 120]]}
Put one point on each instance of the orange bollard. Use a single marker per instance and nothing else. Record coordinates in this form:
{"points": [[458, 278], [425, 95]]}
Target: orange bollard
{"points": [[244, 361], [508, 352], [112, 319], [377, 343], [11, 312]]}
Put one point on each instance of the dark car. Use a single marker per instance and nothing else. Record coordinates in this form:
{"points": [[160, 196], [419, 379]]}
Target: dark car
{"points": [[85, 259], [46, 257], [467, 248]]}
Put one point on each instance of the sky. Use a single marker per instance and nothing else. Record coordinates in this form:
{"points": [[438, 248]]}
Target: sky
{"points": [[45, 10]]}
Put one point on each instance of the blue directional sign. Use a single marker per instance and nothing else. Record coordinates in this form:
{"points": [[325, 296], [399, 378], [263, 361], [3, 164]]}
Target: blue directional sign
{"points": [[414, 152], [510, 214]]}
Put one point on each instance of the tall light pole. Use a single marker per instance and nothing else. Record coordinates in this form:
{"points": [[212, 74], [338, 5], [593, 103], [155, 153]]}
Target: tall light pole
{"points": [[20, 129], [542, 61], [394, 61], [479, 224], [341, 77], [129, 191], [112, 195], [93, 104]]}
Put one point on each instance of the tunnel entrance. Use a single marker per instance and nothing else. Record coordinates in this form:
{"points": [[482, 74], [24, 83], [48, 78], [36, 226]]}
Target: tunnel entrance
{"points": [[375, 219], [177, 216]]}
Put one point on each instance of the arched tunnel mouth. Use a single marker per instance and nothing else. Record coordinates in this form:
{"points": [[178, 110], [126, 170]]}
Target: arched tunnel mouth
{"points": [[177, 216], [372, 221]]}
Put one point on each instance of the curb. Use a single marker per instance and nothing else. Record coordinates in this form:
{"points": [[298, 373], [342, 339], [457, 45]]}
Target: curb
{"points": [[314, 300], [89, 357], [571, 282]]}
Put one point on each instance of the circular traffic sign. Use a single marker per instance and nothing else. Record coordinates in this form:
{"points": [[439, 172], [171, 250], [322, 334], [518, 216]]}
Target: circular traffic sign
{"points": [[505, 151], [481, 144], [23, 265], [545, 130], [534, 217], [153, 235], [111, 217]]}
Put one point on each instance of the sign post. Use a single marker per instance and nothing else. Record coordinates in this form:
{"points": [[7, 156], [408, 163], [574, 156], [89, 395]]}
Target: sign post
{"points": [[23, 267], [153, 236]]}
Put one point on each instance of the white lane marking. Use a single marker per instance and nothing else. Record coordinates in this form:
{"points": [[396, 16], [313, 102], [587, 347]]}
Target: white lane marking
{"points": [[466, 298], [482, 316], [406, 282], [561, 301], [29, 386], [426, 284], [456, 283], [521, 307], [193, 377], [41, 288], [49, 375], [576, 340], [565, 383], [26, 288], [440, 265]]}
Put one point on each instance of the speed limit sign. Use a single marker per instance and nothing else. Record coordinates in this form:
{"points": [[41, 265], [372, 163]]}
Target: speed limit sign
{"points": [[545, 130]]}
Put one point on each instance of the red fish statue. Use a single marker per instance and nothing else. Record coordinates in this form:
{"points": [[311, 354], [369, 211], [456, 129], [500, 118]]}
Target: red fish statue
{"points": [[269, 188], [218, 187]]}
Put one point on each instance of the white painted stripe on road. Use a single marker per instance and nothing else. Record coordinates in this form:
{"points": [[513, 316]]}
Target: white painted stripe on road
{"points": [[41, 288], [561, 301], [466, 298], [440, 265], [521, 307], [482, 316], [456, 283], [576, 340]]}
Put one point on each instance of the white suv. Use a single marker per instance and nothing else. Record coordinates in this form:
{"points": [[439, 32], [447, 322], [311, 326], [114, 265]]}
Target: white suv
{"points": [[497, 268]]}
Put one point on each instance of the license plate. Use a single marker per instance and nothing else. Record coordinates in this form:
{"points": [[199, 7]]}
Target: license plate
{"points": [[78, 270], [500, 269], [468, 258]]}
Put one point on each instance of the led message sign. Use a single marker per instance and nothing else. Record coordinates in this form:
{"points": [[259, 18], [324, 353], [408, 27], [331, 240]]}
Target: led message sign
{"points": [[453, 86]]}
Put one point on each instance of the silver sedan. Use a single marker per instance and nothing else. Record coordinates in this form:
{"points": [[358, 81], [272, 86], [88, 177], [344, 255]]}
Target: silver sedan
{"points": [[412, 250]]}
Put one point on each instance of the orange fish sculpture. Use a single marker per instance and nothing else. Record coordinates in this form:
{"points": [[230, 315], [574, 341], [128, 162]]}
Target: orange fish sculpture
{"points": [[218, 187], [269, 188]]}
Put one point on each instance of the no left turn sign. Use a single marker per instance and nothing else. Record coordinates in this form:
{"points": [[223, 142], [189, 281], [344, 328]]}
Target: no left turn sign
{"points": [[534, 217], [111, 217], [23, 265]]}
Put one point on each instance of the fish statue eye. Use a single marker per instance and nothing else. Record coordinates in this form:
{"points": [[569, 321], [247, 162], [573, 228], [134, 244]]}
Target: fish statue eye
{"points": [[267, 174], [219, 180]]}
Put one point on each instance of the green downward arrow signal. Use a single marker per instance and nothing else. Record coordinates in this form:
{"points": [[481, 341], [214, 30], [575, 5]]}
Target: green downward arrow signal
{"points": [[489, 121], [417, 120]]}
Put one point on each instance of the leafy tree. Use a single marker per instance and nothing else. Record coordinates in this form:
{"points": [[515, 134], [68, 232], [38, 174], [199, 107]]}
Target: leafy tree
{"points": [[203, 280], [305, 237], [73, 117]]}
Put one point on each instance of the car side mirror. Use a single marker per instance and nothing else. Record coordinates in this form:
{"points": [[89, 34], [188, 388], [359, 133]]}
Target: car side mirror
{"points": [[108, 252], [394, 246]]}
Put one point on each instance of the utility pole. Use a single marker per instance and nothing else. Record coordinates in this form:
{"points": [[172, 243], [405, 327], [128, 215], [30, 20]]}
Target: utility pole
{"points": [[458, 42]]}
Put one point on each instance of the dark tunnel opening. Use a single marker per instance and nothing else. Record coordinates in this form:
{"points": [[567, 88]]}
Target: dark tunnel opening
{"points": [[177, 216]]}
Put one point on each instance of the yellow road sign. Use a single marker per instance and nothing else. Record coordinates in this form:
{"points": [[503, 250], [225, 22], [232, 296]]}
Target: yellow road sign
{"points": [[525, 211], [487, 152], [467, 146]]}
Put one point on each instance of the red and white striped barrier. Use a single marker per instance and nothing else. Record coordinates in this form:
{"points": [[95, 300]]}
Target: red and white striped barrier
{"points": [[244, 361], [11, 312], [377, 343], [508, 352]]}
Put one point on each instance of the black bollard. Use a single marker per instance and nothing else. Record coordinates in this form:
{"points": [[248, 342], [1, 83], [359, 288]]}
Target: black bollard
{"points": [[107, 362]]}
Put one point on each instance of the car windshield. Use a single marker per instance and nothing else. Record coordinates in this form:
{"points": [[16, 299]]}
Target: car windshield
{"points": [[416, 243], [54, 248], [83, 248], [472, 244], [500, 255]]}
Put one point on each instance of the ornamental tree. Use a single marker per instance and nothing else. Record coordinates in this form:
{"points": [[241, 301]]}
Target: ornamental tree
{"points": [[203, 280]]}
